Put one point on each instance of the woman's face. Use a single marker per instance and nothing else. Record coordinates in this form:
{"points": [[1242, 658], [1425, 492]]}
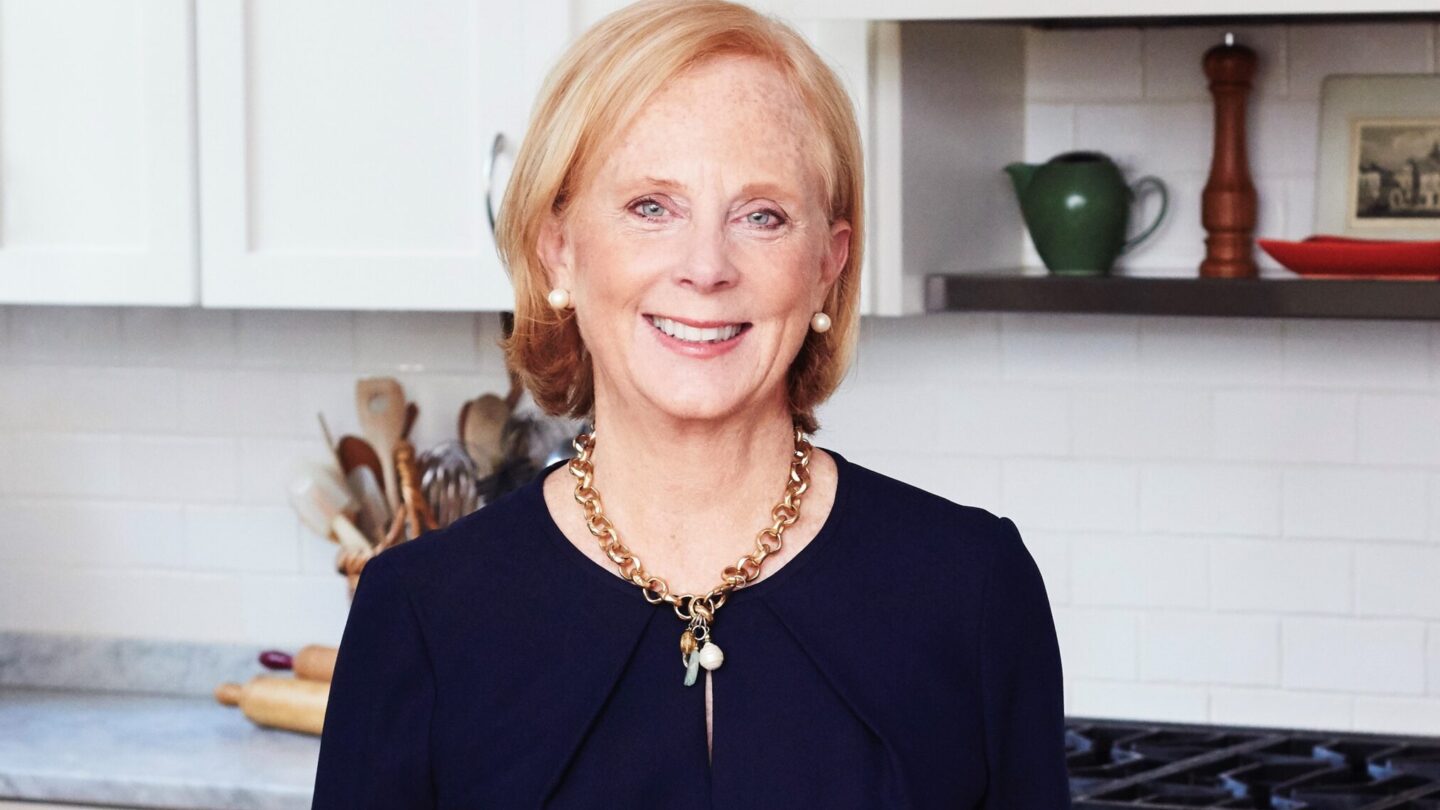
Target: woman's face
{"points": [[706, 219]]}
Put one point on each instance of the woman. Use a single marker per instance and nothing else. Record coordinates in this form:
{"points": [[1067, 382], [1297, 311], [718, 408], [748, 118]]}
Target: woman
{"points": [[683, 230]]}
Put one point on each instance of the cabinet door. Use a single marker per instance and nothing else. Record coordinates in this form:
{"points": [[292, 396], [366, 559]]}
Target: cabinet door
{"points": [[97, 153], [346, 148]]}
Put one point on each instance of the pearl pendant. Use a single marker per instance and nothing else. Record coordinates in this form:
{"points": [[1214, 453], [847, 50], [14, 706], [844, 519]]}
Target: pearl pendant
{"points": [[711, 656]]}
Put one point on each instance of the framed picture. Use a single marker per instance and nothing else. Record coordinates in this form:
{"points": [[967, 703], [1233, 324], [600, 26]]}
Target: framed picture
{"points": [[1378, 173]]}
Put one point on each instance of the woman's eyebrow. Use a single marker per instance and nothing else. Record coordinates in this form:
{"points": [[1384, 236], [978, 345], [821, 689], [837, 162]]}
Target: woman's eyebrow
{"points": [[765, 187]]}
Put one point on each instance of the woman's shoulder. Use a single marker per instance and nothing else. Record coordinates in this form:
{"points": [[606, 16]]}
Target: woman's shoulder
{"points": [[879, 499], [477, 551]]}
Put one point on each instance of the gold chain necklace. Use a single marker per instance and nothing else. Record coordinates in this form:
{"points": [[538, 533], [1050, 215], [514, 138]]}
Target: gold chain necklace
{"points": [[696, 647]]}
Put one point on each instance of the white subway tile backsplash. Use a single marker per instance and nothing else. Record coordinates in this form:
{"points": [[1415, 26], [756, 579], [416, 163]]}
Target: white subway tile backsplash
{"points": [[267, 466], [1281, 576], [1285, 425], [1432, 659], [1209, 498], [90, 398], [135, 603], [1135, 421], [1283, 139], [296, 339], [1068, 346], [1049, 130], [1317, 50], [1051, 552], [242, 403], [1393, 429], [1069, 495], [149, 467], [1398, 715], [944, 349], [1210, 351], [1277, 708], [1394, 580], [1175, 55], [1079, 65], [1300, 219], [173, 336], [1356, 503], [1357, 354], [1433, 485], [1139, 572], [1012, 420], [1190, 647], [82, 532], [1138, 701], [1148, 138], [242, 538], [1097, 642], [56, 334], [1354, 655], [386, 342], [294, 610]]}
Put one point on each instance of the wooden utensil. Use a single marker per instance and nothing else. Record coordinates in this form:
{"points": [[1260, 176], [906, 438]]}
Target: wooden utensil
{"points": [[380, 402], [293, 704], [361, 465], [419, 517], [482, 426], [325, 504]]}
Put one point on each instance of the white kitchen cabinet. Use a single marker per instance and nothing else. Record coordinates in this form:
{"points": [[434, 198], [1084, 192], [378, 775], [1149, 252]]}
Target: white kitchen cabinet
{"points": [[97, 156], [344, 148]]}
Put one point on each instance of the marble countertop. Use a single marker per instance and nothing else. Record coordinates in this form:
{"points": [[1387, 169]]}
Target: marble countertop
{"points": [[148, 750]]}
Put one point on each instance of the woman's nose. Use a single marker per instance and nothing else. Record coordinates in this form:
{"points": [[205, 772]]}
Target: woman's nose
{"points": [[708, 263]]}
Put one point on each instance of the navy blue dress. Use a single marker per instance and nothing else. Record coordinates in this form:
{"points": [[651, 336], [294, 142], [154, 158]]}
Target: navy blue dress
{"points": [[904, 658]]}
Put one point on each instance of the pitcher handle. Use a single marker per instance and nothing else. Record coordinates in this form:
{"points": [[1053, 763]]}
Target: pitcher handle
{"points": [[1159, 185]]}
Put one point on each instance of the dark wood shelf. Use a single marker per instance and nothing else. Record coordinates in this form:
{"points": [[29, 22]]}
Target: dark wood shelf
{"points": [[1019, 291]]}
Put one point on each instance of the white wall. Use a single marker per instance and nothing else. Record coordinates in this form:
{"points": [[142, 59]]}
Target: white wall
{"points": [[1238, 519]]}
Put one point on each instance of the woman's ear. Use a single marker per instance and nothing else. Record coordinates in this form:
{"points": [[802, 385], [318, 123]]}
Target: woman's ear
{"points": [[836, 252], [553, 247]]}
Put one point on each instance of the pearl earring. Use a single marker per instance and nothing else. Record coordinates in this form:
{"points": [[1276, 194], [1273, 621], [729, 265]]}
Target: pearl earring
{"points": [[559, 298], [820, 322]]}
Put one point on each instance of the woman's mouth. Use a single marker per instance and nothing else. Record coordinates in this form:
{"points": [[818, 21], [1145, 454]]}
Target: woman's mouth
{"points": [[709, 339]]}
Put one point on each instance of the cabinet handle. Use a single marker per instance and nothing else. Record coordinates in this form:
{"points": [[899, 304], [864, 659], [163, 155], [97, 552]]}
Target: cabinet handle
{"points": [[496, 147]]}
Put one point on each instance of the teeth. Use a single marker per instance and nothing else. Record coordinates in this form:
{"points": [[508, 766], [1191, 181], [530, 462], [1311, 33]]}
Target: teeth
{"points": [[692, 334]]}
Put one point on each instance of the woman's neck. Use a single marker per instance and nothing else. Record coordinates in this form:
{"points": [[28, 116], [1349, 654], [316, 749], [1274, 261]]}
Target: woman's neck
{"points": [[691, 493]]}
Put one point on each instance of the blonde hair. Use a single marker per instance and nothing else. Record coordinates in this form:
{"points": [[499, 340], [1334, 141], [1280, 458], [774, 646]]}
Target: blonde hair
{"points": [[597, 87]]}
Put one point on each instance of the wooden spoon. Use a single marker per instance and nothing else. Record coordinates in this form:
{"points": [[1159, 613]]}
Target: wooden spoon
{"points": [[482, 428], [361, 465], [380, 402]]}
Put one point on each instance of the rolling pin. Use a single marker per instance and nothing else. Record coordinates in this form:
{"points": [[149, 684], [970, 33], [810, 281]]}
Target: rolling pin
{"points": [[293, 704], [314, 662]]}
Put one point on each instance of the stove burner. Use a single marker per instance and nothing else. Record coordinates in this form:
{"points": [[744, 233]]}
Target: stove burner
{"points": [[1172, 766]]}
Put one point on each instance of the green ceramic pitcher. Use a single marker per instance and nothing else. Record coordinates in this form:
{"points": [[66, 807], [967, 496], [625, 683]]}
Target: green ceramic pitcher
{"points": [[1077, 208]]}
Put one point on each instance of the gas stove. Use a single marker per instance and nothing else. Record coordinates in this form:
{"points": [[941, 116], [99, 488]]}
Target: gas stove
{"points": [[1173, 766]]}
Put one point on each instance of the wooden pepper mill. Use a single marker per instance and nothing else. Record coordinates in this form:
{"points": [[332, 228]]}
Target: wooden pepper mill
{"points": [[1228, 204]]}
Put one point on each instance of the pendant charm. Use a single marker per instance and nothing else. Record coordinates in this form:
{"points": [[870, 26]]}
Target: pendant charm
{"points": [[692, 669], [697, 650]]}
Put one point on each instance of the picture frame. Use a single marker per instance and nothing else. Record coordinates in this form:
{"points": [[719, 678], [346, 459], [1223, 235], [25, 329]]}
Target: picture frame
{"points": [[1378, 162]]}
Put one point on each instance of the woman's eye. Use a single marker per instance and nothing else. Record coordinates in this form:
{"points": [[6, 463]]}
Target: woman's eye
{"points": [[649, 209], [765, 218]]}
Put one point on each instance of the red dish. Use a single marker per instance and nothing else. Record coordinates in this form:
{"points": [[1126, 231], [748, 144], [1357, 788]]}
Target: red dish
{"points": [[1325, 256]]}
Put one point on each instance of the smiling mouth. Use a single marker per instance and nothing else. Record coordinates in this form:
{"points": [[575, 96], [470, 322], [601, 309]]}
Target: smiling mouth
{"points": [[711, 333]]}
